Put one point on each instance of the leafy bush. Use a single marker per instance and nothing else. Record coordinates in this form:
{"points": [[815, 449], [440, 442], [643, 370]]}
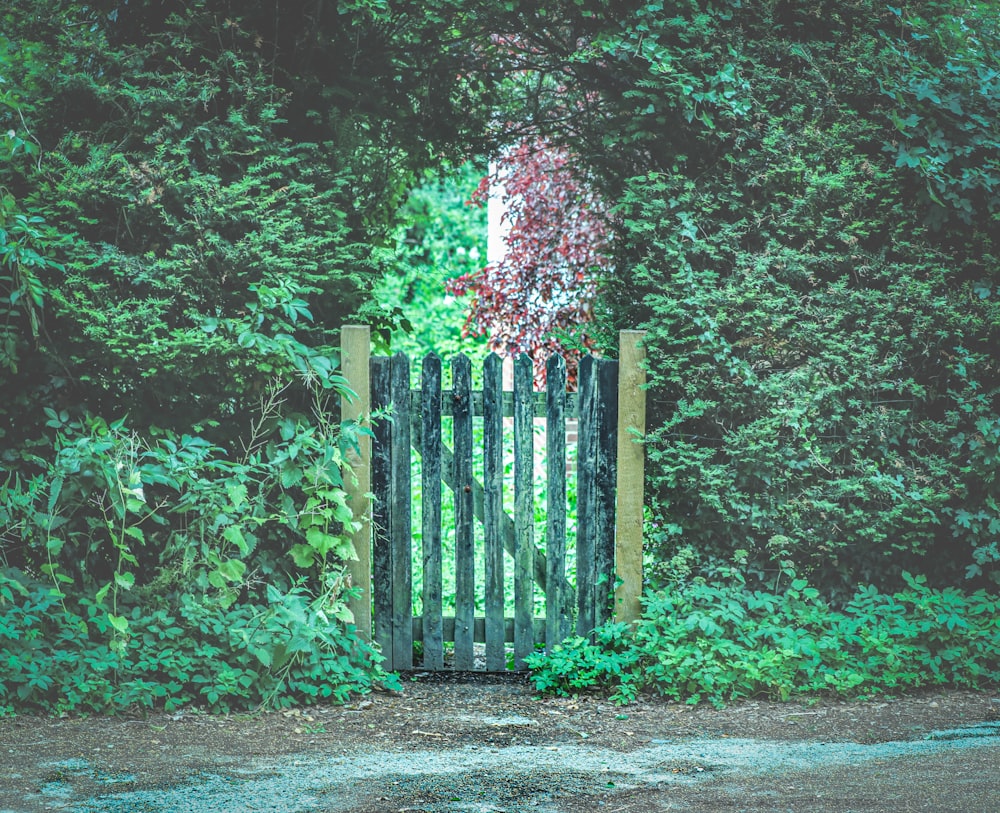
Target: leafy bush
{"points": [[201, 239], [808, 217], [180, 571], [68, 657], [193, 200], [708, 642], [114, 509], [225, 184]]}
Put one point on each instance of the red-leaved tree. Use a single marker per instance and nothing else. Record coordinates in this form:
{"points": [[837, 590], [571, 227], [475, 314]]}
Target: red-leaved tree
{"points": [[558, 238]]}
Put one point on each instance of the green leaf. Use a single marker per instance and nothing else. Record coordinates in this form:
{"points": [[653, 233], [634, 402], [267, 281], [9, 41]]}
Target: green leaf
{"points": [[237, 493], [135, 532], [291, 476], [232, 570], [302, 555], [55, 489], [234, 535], [125, 580], [119, 622], [319, 540]]}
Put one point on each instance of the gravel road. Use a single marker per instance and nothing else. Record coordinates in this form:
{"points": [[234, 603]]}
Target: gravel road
{"points": [[476, 743]]}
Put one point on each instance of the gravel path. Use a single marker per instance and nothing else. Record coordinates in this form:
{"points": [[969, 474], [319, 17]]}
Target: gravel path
{"points": [[483, 744]]}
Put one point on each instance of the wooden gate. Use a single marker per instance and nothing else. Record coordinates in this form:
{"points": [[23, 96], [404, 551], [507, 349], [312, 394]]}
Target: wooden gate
{"points": [[608, 410]]}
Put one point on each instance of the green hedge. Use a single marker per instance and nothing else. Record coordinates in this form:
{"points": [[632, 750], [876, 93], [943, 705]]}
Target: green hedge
{"points": [[808, 233]]}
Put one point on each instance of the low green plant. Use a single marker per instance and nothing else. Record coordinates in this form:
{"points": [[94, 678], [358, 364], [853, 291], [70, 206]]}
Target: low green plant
{"points": [[155, 569], [59, 656], [721, 642]]}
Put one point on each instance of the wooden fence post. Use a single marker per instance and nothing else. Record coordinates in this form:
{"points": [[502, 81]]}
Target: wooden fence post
{"points": [[355, 346], [631, 474], [465, 545], [557, 599]]}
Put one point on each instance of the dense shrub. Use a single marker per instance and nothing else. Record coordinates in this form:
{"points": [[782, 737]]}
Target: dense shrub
{"points": [[720, 643], [67, 657], [808, 233], [174, 570]]}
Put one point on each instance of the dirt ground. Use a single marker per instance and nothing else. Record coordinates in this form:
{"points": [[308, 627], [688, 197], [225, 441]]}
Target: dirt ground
{"points": [[489, 743]]}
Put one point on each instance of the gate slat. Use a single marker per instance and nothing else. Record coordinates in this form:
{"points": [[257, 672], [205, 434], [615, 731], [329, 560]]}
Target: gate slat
{"points": [[586, 496], [381, 511], [465, 549], [524, 519], [604, 508], [556, 615], [430, 456], [399, 529], [493, 511]]}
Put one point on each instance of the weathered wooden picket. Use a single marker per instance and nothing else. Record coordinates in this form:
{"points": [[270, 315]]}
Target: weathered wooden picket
{"points": [[604, 402]]}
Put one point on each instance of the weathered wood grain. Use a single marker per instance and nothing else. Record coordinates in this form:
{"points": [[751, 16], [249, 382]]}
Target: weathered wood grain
{"points": [[465, 547], [586, 495], [524, 511], [604, 505], [493, 513], [400, 525], [355, 343], [556, 597], [381, 510], [430, 490], [631, 474]]}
